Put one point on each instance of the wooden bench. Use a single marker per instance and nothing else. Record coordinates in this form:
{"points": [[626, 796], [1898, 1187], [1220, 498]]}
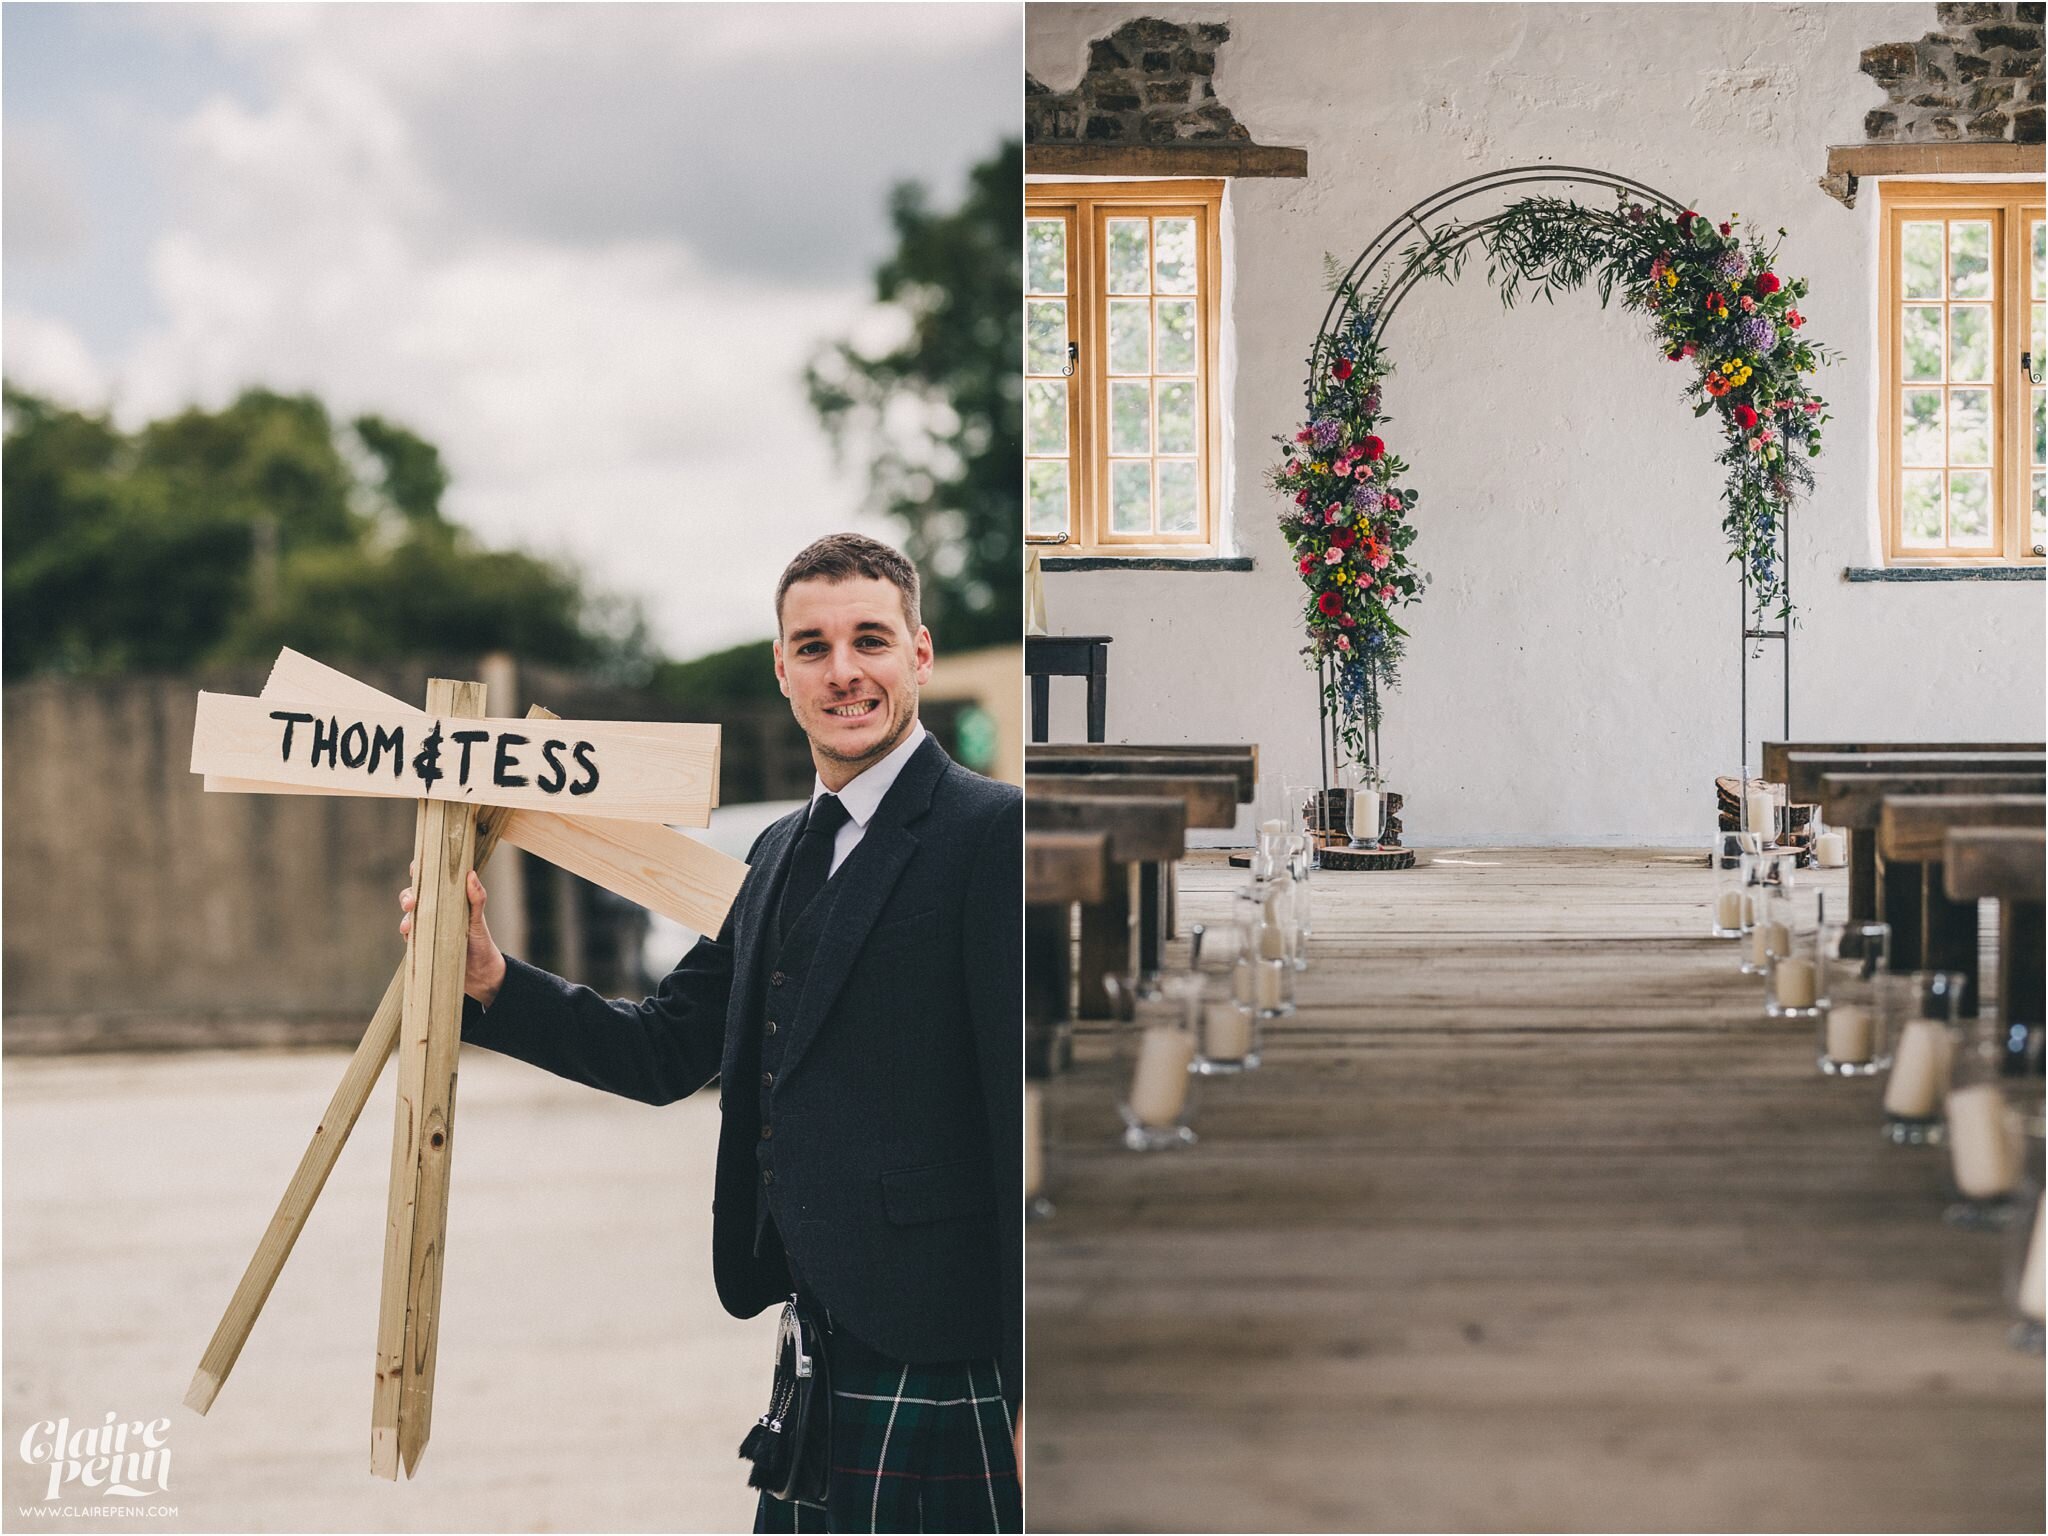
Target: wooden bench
{"points": [[1240, 764], [1855, 801], [1912, 830], [1060, 869], [1141, 831], [2006, 865], [1775, 769]]}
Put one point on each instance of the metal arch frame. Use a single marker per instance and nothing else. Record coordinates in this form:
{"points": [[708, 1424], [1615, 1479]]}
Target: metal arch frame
{"points": [[1378, 251]]}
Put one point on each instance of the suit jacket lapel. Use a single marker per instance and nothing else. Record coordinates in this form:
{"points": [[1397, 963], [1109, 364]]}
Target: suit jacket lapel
{"points": [[860, 890], [753, 926]]}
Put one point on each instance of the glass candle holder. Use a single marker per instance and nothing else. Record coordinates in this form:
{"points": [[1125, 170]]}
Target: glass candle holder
{"points": [[1300, 864], [1763, 812], [1921, 1059], [1830, 843], [1734, 875], [1154, 1051], [2024, 1267], [1986, 1130], [1265, 981], [1365, 814], [1771, 929], [1228, 1027], [1859, 999]]}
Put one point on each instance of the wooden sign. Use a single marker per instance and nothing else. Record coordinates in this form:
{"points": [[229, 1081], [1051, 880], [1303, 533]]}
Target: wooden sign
{"points": [[618, 769], [365, 733]]}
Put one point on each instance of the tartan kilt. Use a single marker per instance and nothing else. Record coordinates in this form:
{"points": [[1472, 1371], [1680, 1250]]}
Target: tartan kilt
{"points": [[914, 1448]]}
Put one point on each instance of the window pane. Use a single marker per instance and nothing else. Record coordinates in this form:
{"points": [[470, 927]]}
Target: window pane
{"points": [[1921, 440], [1969, 342], [1129, 320], [2040, 259], [1175, 255], [1045, 255], [2039, 339], [1127, 255], [1130, 430], [1969, 259], [1922, 519], [2039, 534], [1920, 254], [1969, 507], [2040, 433], [1046, 412], [1045, 336], [1048, 497], [1176, 417], [1922, 338], [1130, 497], [1177, 496], [1969, 426], [1176, 336]]}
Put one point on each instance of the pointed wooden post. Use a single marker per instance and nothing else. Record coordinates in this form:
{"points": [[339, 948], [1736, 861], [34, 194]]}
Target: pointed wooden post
{"points": [[430, 1033]]}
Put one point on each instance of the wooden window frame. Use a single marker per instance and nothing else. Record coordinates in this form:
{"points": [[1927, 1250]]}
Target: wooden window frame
{"points": [[1086, 206], [2009, 206]]}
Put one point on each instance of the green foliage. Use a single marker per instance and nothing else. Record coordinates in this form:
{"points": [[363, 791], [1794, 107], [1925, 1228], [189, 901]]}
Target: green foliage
{"points": [[214, 536], [740, 674], [939, 415]]}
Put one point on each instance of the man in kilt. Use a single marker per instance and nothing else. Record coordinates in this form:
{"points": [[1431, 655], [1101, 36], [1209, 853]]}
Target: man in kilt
{"points": [[861, 1012]]}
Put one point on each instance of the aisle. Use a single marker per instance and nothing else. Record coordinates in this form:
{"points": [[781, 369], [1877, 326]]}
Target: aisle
{"points": [[1530, 1222]]}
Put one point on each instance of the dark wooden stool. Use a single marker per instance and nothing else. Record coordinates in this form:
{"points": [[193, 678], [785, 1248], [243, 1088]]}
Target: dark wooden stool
{"points": [[1049, 656]]}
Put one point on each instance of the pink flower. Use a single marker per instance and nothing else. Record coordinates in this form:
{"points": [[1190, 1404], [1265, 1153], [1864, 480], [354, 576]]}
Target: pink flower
{"points": [[1333, 514], [1386, 594], [1381, 559], [1304, 436], [1333, 556], [1347, 621], [1812, 407], [1754, 445], [1393, 502], [1794, 319], [1748, 305], [1343, 642], [1308, 563], [1341, 469]]}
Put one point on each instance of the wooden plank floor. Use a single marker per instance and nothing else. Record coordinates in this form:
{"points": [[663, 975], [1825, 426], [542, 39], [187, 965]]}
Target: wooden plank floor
{"points": [[1531, 1221]]}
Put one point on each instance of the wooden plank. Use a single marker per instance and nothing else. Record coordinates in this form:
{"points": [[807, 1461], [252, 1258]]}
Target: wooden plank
{"points": [[2004, 863], [1154, 749], [430, 1034], [1211, 800], [344, 1108], [1776, 752], [1855, 800], [664, 871], [1065, 867], [1983, 158], [1238, 766], [622, 769], [1138, 829], [1805, 769], [1915, 828], [1231, 159]]}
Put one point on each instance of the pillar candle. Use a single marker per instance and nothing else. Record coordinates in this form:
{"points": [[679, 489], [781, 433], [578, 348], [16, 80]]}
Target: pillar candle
{"points": [[1274, 827], [1849, 1032], [1831, 850], [1272, 942], [1749, 842], [1034, 1141], [1769, 939], [1919, 1071], [2031, 1276], [1226, 1033], [1748, 909], [1241, 978], [1794, 983], [1763, 818], [1980, 1144], [1267, 986], [1728, 910], [1159, 1087], [1365, 816]]}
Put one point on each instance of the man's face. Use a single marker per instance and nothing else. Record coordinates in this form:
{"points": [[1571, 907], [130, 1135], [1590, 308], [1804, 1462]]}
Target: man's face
{"points": [[851, 668]]}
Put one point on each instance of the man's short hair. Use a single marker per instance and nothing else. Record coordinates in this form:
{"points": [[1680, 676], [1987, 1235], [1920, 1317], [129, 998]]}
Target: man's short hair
{"points": [[842, 557]]}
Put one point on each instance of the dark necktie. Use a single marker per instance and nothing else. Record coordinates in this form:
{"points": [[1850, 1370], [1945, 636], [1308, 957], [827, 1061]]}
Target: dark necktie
{"points": [[811, 864]]}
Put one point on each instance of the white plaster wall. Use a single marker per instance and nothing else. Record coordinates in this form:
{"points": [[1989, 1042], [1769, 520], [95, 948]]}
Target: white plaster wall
{"points": [[1572, 675]]}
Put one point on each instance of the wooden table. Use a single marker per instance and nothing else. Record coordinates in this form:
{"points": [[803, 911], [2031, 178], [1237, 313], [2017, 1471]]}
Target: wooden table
{"points": [[2005, 864], [1854, 800], [1049, 656], [1531, 1221], [1142, 830], [1912, 830]]}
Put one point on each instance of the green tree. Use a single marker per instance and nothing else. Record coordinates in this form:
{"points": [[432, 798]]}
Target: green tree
{"points": [[939, 415], [220, 535]]}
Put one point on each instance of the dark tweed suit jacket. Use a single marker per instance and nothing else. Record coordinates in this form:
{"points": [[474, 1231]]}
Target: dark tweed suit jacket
{"points": [[894, 1173]]}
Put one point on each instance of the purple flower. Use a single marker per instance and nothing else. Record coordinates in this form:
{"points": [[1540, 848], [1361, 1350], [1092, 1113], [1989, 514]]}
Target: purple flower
{"points": [[1756, 334], [1371, 403], [1368, 498], [1324, 432], [1731, 263]]}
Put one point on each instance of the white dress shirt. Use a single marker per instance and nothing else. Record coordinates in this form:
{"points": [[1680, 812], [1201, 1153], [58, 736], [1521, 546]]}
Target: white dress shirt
{"points": [[863, 795]]}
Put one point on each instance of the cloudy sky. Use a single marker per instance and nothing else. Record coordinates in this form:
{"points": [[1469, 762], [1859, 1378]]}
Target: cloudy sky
{"points": [[586, 249]]}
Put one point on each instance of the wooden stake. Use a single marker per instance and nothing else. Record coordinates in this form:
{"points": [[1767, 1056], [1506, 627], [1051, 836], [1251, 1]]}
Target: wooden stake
{"points": [[318, 1160], [430, 1031]]}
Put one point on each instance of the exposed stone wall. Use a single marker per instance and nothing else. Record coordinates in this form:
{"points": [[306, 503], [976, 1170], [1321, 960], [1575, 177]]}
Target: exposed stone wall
{"points": [[1977, 76], [1148, 82]]}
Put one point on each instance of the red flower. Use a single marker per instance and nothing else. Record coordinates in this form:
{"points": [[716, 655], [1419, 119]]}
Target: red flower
{"points": [[1374, 449], [1717, 386], [1343, 538], [1713, 301], [1304, 436], [1308, 563], [1348, 622], [1301, 497], [1343, 369], [1794, 319], [1767, 283], [1329, 604], [1745, 418], [1685, 221], [1725, 228]]}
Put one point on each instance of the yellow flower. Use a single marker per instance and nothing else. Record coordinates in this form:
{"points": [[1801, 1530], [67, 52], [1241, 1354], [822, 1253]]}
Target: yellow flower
{"points": [[1670, 279]]}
